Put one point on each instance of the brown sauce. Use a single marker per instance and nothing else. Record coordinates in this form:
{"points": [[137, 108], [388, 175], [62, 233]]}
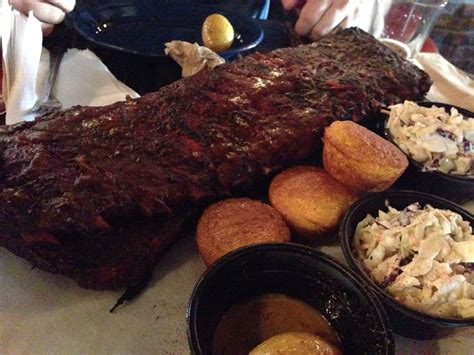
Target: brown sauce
{"points": [[248, 324]]}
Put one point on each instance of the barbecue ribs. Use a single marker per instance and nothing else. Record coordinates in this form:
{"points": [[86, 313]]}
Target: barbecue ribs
{"points": [[98, 193]]}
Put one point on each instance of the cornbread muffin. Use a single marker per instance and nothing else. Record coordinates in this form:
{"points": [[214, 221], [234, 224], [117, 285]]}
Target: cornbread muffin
{"points": [[310, 200], [236, 222], [360, 159]]}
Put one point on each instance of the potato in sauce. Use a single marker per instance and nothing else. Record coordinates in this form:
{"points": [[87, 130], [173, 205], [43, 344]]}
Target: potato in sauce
{"points": [[295, 344], [248, 324]]}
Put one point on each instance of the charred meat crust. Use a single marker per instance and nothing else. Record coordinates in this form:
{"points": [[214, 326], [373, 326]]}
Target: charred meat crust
{"points": [[75, 178]]}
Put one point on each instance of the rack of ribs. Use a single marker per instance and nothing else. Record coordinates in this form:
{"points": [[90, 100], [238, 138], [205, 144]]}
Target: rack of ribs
{"points": [[98, 193]]}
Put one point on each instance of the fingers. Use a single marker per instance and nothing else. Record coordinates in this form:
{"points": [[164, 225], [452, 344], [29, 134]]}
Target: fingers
{"points": [[289, 4], [19, 5], [319, 17], [47, 11], [47, 29], [339, 14], [351, 19], [310, 16], [346, 23], [330, 20], [65, 5]]}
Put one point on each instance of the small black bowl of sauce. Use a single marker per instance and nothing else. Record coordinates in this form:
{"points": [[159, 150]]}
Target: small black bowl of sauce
{"points": [[257, 292]]}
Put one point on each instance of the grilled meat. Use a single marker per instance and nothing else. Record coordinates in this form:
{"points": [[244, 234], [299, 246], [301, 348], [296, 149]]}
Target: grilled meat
{"points": [[97, 193]]}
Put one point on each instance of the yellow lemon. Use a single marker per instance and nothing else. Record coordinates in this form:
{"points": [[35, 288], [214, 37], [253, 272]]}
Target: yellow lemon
{"points": [[217, 33]]}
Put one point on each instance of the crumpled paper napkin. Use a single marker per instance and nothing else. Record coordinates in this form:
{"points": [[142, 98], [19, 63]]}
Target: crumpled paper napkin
{"points": [[82, 77], [21, 51], [450, 84], [192, 58]]}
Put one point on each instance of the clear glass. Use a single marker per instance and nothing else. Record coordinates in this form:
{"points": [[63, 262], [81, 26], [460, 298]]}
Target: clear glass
{"points": [[406, 23]]}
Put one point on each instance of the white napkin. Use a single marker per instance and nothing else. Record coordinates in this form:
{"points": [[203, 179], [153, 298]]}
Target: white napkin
{"points": [[450, 84], [21, 50], [82, 77], [84, 80], [1, 16]]}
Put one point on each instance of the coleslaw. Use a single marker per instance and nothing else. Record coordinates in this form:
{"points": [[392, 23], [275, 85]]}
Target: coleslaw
{"points": [[422, 256], [436, 139]]}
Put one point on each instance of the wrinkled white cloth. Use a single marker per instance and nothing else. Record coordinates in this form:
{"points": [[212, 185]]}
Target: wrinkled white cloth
{"points": [[82, 77], [1, 16], [192, 58], [21, 50], [450, 84]]}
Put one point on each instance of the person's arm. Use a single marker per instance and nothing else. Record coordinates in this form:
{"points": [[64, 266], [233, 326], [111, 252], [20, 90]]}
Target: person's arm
{"points": [[319, 17], [49, 12]]}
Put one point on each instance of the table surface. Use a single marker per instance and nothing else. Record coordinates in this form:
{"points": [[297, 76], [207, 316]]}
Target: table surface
{"points": [[44, 313]]}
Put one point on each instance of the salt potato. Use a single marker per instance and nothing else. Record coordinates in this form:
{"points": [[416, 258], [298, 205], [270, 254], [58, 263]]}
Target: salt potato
{"points": [[217, 33], [293, 343]]}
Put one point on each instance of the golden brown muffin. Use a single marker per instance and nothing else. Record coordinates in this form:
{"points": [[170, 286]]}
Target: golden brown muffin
{"points": [[309, 199], [236, 222], [361, 159]]}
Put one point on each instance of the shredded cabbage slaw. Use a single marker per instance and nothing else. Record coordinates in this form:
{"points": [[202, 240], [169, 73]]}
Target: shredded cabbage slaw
{"points": [[436, 139], [423, 257]]}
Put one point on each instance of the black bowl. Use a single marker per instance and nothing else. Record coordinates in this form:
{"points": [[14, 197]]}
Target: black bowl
{"points": [[405, 321], [143, 28], [453, 187], [337, 293]]}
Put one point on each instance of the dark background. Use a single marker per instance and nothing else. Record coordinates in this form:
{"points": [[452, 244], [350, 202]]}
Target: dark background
{"points": [[453, 35], [144, 74]]}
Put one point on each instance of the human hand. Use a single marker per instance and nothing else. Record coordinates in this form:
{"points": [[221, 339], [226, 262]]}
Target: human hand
{"points": [[49, 12], [319, 17]]}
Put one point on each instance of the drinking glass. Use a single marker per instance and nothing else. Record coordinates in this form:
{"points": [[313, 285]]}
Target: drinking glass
{"points": [[405, 23]]}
